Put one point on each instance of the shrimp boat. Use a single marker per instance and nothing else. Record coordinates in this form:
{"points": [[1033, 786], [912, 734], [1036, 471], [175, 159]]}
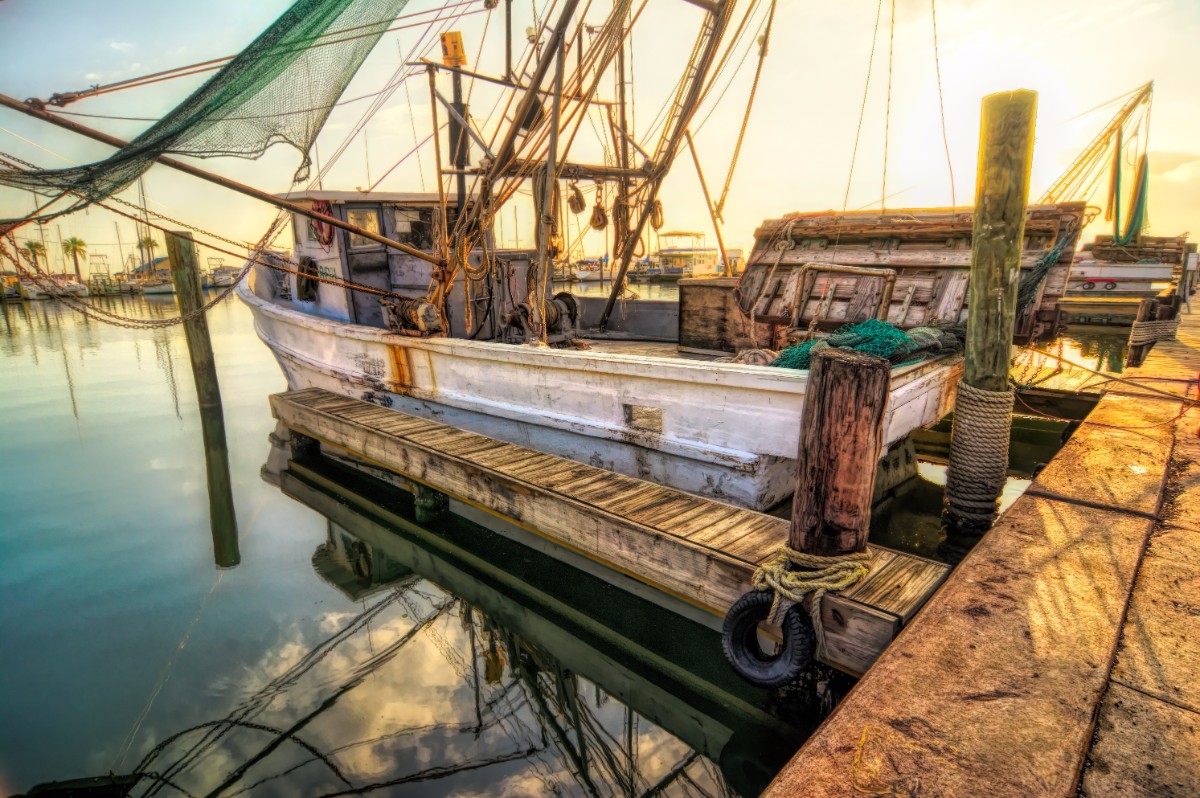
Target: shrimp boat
{"points": [[682, 254], [409, 304], [407, 300], [630, 401]]}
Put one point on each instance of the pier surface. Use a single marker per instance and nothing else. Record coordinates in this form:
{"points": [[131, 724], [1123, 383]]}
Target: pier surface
{"points": [[1062, 656], [700, 550]]}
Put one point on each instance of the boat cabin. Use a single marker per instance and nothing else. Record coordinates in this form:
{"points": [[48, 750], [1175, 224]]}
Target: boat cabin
{"points": [[333, 254]]}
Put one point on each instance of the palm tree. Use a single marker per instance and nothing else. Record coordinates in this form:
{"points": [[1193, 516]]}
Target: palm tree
{"points": [[34, 250], [75, 247], [147, 245]]}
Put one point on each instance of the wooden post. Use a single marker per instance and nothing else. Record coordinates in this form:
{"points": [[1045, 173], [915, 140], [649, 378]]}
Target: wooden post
{"points": [[841, 441], [1001, 196], [185, 274], [979, 442]]}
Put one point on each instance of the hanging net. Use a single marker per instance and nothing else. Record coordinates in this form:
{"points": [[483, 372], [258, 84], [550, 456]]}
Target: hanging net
{"points": [[1136, 220], [280, 88], [873, 337]]}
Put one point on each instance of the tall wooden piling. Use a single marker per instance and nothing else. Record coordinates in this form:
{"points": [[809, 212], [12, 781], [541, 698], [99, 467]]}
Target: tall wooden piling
{"points": [[841, 440], [980, 438], [185, 274]]}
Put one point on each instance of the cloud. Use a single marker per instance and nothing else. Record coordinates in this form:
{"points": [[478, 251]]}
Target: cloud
{"points": [[1176, 167], [121, 47]]}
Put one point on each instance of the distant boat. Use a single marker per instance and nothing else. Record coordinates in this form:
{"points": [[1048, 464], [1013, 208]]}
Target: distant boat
{"points": [[223, 276], [28, 289], [69, 285], [157, 285], [684, 255], [590, 269]]}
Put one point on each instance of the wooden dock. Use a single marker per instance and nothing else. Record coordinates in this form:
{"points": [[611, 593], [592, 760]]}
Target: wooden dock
{"points": [[697, 549], [1062, 656]]}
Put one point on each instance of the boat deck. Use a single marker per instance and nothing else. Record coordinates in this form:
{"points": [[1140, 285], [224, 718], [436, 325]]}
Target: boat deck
{"points": [[700, 550]]}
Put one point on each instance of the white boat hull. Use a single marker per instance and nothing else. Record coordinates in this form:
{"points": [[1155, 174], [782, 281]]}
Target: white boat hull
{"points": [[162, 288], [28, 290], [720, 430], [1107, 277]]}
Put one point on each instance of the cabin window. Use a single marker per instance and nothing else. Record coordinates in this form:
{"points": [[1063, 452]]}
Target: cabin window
{"points": [[414, 227], [367, 219], [299, 227]]}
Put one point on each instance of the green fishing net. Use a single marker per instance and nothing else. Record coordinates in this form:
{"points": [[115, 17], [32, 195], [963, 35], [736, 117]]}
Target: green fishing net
{"points": [[280, 88], [873, 337]]}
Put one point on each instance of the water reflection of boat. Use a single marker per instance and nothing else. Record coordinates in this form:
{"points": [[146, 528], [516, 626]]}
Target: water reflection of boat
{"points": [[466, 663], [556, 627]]}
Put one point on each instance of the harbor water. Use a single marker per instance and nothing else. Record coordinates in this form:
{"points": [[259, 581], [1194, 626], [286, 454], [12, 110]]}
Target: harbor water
{"points": [[325, 642], [326, 662]]}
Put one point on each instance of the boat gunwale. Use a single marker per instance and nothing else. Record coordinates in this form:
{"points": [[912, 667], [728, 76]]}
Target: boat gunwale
{"points": [[764, 378]]}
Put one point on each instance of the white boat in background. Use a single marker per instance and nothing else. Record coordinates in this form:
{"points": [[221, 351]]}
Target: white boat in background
{"points": [[28, 289], [683, 255], [70, 286], [223, 276], [638, 407], [157, 286], [590, 269]]}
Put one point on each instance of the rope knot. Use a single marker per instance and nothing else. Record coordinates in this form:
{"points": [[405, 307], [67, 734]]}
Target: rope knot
{"points": [[817, 576]]}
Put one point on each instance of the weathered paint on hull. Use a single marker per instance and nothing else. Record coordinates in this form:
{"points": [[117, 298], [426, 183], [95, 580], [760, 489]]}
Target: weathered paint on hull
{"points": [[720, 430]]}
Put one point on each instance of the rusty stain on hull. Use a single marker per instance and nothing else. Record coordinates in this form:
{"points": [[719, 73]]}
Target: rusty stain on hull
{"points": [[401, 369]]}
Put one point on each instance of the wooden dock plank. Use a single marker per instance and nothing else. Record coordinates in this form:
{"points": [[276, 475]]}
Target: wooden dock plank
{"points": [[900, 585], [635, 526]]}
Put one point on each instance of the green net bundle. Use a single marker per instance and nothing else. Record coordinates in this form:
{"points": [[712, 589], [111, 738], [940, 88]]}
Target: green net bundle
{"points": [[280, 88], [873, 337]]}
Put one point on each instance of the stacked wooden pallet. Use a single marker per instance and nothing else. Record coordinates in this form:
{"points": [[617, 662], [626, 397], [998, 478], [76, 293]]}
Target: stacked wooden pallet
{"points": [[1164, 249], [929, 250]]}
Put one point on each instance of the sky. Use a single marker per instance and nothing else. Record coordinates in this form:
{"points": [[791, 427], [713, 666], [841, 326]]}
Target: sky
{"points": [[799, 144]]}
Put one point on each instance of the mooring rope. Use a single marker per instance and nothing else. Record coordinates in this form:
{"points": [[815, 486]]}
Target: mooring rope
{"points": [[978, 451], [820, 575], [1147, 332]]}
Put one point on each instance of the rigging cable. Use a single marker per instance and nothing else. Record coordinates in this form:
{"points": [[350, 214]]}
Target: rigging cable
{"points": [[862, 111], [887, 117], [216, 63], [941, 104], [737, 149]]}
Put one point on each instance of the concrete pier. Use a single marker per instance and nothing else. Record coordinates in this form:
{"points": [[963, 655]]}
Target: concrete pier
{"points": [[1062, 656]]}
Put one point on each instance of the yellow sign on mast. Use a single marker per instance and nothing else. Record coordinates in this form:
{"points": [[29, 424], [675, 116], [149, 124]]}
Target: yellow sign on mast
{"points": [[453, 54]]}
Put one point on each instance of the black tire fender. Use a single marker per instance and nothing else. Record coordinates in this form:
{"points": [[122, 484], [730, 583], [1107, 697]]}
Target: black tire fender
{"points": [[1110, 286], [1088, 285], [739, 641]]}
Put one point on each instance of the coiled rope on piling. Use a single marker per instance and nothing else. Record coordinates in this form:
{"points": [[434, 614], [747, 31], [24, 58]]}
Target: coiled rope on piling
{"points": [[819, 576], [1148, 332], [979, 451]]}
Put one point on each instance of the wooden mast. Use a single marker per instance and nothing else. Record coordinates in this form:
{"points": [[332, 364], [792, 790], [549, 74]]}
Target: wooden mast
{"points": [[715, 25]]}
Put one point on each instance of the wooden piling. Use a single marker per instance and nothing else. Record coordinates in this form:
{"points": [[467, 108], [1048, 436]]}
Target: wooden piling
{"points": [[841, 441], [185, 274], [1001, 195], [979, 442]]}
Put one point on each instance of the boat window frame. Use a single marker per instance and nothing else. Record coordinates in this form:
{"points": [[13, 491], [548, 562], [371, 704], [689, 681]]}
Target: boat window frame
{"points": [[366, 245]]}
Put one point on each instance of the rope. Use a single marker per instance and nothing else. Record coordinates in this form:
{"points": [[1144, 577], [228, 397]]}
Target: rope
{"points": [[862, 112], [978, 452], [1147, 332], [764, 41], [937, 66], [822, 575], [887, 115]]}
